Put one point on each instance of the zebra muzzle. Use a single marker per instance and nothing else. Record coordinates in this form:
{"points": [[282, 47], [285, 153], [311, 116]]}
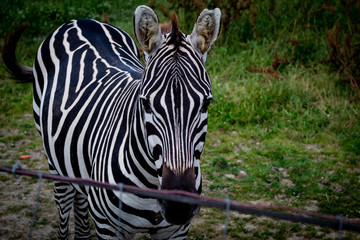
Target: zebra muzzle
{"points": [[178, 213], [175, 212]]}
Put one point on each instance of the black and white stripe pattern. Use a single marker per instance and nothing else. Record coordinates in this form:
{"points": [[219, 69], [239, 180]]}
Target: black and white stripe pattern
{"points": [[102, 115], [181, 101]]}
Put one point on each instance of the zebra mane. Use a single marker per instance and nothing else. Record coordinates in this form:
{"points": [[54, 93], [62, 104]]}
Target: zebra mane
{"points": [[172, 27]]}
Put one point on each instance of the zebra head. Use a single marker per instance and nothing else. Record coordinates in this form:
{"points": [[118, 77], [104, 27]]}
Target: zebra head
{"points": [[174, 97]]}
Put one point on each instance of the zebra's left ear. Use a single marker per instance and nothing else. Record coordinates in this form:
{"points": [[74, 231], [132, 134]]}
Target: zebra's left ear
{"points": [[206, 31], [147, 29]]}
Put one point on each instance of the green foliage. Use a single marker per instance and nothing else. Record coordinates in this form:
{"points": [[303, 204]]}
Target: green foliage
{"points": [[245, 20], [283, 126], [220, 163], [44, 16], [302, 99], [304, 31], [21, 95]]}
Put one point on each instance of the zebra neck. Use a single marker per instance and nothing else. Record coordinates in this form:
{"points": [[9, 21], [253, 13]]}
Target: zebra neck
{"points": [[140, 162]]}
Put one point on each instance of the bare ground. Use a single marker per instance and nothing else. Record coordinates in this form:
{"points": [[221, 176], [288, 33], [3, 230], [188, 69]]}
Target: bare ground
{"points": [[18, 198]]}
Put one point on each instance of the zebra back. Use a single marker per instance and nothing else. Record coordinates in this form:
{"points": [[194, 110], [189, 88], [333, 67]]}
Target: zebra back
{"points": [[80, 69]]}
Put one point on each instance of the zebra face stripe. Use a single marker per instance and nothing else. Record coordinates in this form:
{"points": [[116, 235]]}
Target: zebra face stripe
{"points": [[175, 94]]}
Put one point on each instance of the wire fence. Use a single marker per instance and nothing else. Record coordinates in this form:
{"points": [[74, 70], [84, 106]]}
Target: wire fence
{"points": [[274, 211]]}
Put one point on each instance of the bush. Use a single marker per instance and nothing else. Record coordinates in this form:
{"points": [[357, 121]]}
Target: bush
{"points": [[45, 16], [304, 31]]}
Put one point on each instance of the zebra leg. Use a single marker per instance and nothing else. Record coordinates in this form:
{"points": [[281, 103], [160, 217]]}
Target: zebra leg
{"points": [[173, 232], [103, 230], [81, 213], [64, 194]]}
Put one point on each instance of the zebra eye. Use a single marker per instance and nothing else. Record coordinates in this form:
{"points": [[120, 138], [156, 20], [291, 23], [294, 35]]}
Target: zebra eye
{"points": [[205, 105], [146, 105]]}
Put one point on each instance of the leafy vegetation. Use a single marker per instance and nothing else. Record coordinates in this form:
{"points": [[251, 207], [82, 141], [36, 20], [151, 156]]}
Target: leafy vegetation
{"points": [[284, 125], [303, 30]]}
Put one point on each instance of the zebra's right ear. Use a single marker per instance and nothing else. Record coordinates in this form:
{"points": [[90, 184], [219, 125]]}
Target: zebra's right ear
{"points": [[147, 29]]}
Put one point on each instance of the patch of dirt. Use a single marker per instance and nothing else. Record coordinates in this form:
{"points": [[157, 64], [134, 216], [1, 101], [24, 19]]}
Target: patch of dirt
{"points": [[241, 147], [18, 197], [287, 182], [313, 147]]}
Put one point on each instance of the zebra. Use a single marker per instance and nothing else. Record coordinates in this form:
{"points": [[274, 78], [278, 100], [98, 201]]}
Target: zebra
{"points": [[104, 115]]}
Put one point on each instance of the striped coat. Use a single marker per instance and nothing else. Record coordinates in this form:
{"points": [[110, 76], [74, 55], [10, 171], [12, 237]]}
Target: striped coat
{"points": [[105, 116]]}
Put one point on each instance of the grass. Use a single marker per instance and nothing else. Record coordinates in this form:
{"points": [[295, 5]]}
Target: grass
{"points": [[290, 138], [294, 135]]}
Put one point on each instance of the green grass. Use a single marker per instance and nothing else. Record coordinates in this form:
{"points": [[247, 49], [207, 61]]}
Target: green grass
{"points": [[276, 120], [292, 138]]}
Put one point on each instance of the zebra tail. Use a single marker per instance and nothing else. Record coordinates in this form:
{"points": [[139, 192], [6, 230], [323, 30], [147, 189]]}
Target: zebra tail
{"points": [[22, 74]]}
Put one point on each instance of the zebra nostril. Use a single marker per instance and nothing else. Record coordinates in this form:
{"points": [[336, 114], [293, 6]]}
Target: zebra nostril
{"points": [[177, 213]]}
